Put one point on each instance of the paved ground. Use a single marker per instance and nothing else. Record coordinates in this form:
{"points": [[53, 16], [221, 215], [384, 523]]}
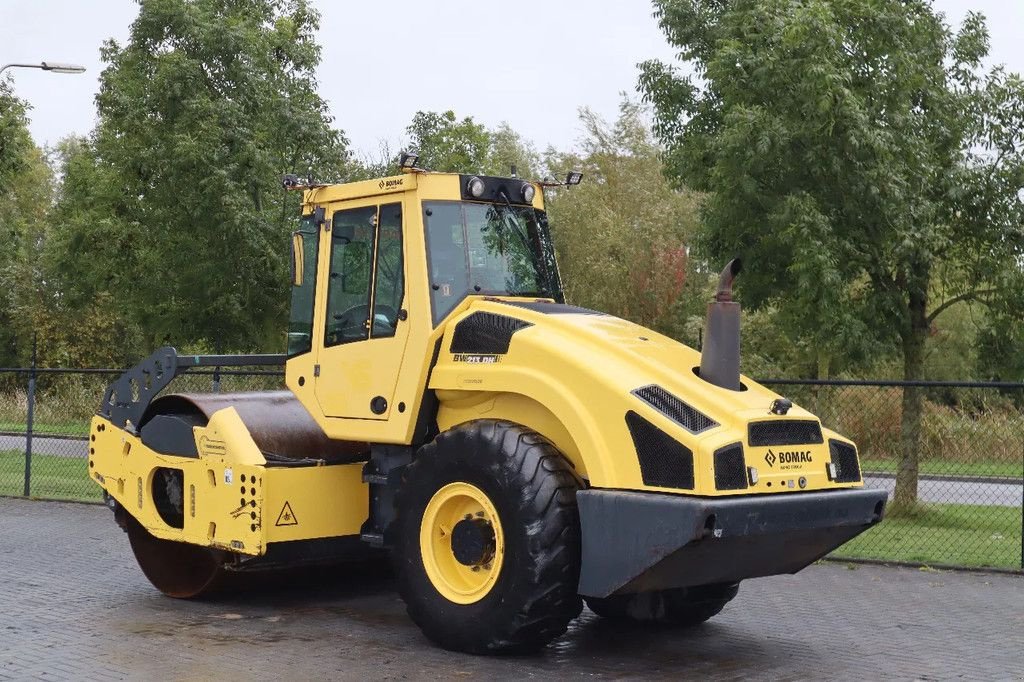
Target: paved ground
{"points": [[935, 489], [74, 605], [43, 445]]}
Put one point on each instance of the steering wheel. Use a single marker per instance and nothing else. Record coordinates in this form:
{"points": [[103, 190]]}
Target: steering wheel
{"points": [[349, 325]]}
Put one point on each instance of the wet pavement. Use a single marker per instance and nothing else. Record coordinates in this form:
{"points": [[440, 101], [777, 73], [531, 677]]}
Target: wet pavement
{"points": [[73, 605]]}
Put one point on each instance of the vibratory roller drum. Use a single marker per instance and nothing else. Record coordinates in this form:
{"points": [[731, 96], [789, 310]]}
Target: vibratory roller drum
{"points": [[283, 431]]}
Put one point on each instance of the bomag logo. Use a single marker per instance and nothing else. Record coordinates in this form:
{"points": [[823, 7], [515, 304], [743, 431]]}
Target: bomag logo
{"points": [[390, 184], [788, 457]]}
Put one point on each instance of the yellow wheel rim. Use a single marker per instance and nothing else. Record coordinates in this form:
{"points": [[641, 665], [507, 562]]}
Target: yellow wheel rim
{"points": [[460, 578]]}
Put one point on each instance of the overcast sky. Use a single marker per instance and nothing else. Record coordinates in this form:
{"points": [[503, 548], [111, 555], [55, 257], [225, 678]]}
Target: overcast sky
{"points": [[530, 64]]}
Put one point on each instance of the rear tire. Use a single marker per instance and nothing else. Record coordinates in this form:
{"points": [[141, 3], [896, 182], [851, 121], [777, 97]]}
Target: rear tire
{"points": [[679, 607], [519, 591]]}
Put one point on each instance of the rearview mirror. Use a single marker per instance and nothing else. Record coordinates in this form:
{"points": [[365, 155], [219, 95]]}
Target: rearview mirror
{"points": [[298, 256]]}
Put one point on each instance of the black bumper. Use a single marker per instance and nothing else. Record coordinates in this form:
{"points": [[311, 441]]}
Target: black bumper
{"points": [[638, 542]]}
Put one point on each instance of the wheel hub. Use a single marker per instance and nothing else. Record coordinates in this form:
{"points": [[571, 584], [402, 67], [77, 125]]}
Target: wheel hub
{"points": [[473, 542], [462, 543]]}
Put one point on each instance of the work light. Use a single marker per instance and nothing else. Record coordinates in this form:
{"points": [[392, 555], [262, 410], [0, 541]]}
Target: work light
{"points": [[408, 159], [475, 187], [573, 178], [528, 192]]}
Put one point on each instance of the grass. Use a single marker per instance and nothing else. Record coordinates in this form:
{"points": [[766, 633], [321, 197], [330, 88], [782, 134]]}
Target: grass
{"points": [[954, 534], [945, 467], [63, 478]]}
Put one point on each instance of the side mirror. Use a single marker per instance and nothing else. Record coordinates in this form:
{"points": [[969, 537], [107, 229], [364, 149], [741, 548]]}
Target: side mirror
{"points": [[298, 259]]}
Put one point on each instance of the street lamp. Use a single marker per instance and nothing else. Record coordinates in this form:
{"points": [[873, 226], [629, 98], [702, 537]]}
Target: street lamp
{"points": [[56, 67]]}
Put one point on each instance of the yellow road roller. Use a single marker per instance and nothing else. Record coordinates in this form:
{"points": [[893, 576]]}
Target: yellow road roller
{"points": [[515, 456]]}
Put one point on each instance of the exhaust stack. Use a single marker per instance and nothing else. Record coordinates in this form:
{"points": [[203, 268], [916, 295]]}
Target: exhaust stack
{"points": [[720, 357]]}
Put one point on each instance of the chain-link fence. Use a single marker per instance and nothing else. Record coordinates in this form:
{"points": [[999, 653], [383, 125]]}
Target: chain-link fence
{"points": [[963, 506], [966, 509], [44, 423]]}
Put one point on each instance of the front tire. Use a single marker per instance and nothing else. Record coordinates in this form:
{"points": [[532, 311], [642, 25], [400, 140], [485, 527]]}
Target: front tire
{"points": [[679, 607], [487, 539]]}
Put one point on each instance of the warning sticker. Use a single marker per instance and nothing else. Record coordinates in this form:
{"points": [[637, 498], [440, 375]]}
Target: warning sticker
{"points": [[287, 516]]}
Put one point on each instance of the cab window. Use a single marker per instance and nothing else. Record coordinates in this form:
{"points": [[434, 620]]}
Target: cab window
{"points": [[348, 287], [390, 287], [300, 326]]}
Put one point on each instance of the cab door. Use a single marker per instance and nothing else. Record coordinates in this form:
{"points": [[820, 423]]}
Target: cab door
{"points": [[364, 323]]}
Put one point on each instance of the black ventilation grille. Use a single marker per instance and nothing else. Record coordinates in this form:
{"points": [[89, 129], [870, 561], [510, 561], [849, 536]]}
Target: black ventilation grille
{"points": [[675, 409], [784, 432], [730, 468], [664, 461], [485, 333], [844, 458]]}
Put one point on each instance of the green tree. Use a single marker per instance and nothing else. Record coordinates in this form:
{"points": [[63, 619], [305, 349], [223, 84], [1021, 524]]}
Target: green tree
{"points": [[15, 140], [24, 192], [508, 149], [857, 154], [622, 235], [200, 113], [448, 144]]}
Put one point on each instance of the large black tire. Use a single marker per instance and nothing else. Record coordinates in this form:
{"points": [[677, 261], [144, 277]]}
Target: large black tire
{"points": [[533, 489], [679, 607]]}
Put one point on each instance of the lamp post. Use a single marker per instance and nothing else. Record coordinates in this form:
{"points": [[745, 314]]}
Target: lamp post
{"points": [[56, 67]]}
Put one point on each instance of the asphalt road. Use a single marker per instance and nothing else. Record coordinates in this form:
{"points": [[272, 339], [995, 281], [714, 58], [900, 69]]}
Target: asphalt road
{"points": [[952, 491], [930, 489], [73, 605], [44, 445]]}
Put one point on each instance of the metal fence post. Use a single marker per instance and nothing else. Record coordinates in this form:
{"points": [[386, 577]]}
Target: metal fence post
{"points": [[216, 370], [29, 418], [1022, 509]]}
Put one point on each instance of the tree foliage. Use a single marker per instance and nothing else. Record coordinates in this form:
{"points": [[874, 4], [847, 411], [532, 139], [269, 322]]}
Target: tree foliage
{"points": [[858, 155], [177, 197], [622, 236], [24, 191], [448, 144]]}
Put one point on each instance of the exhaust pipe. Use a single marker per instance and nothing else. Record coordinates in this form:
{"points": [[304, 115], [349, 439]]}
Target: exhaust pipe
{"points": [[720, 357]]}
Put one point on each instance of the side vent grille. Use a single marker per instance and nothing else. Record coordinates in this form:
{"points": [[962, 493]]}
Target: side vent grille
{"points": [[664, 461], [730, 468], [485, 333], [675, 409], [844, 458], [784, 432]]}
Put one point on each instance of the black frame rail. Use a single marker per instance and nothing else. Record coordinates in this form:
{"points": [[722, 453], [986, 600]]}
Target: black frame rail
{"points": [[125, 401]]}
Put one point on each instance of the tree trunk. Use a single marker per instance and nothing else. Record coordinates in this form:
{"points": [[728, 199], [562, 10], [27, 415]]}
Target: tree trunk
{"points": [[914, 337]]}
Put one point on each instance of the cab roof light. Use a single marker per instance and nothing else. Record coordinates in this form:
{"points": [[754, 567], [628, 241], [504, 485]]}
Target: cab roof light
{"points": [[408, 160], [528, 192], [572, 179], [292, 182], [475, 187]]}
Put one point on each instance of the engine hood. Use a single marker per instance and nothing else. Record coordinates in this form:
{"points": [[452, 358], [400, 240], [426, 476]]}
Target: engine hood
{"points": [[589, 371]]}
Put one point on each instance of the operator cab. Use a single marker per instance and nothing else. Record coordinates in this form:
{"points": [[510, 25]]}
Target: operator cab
{"points": [[378, 267]]}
